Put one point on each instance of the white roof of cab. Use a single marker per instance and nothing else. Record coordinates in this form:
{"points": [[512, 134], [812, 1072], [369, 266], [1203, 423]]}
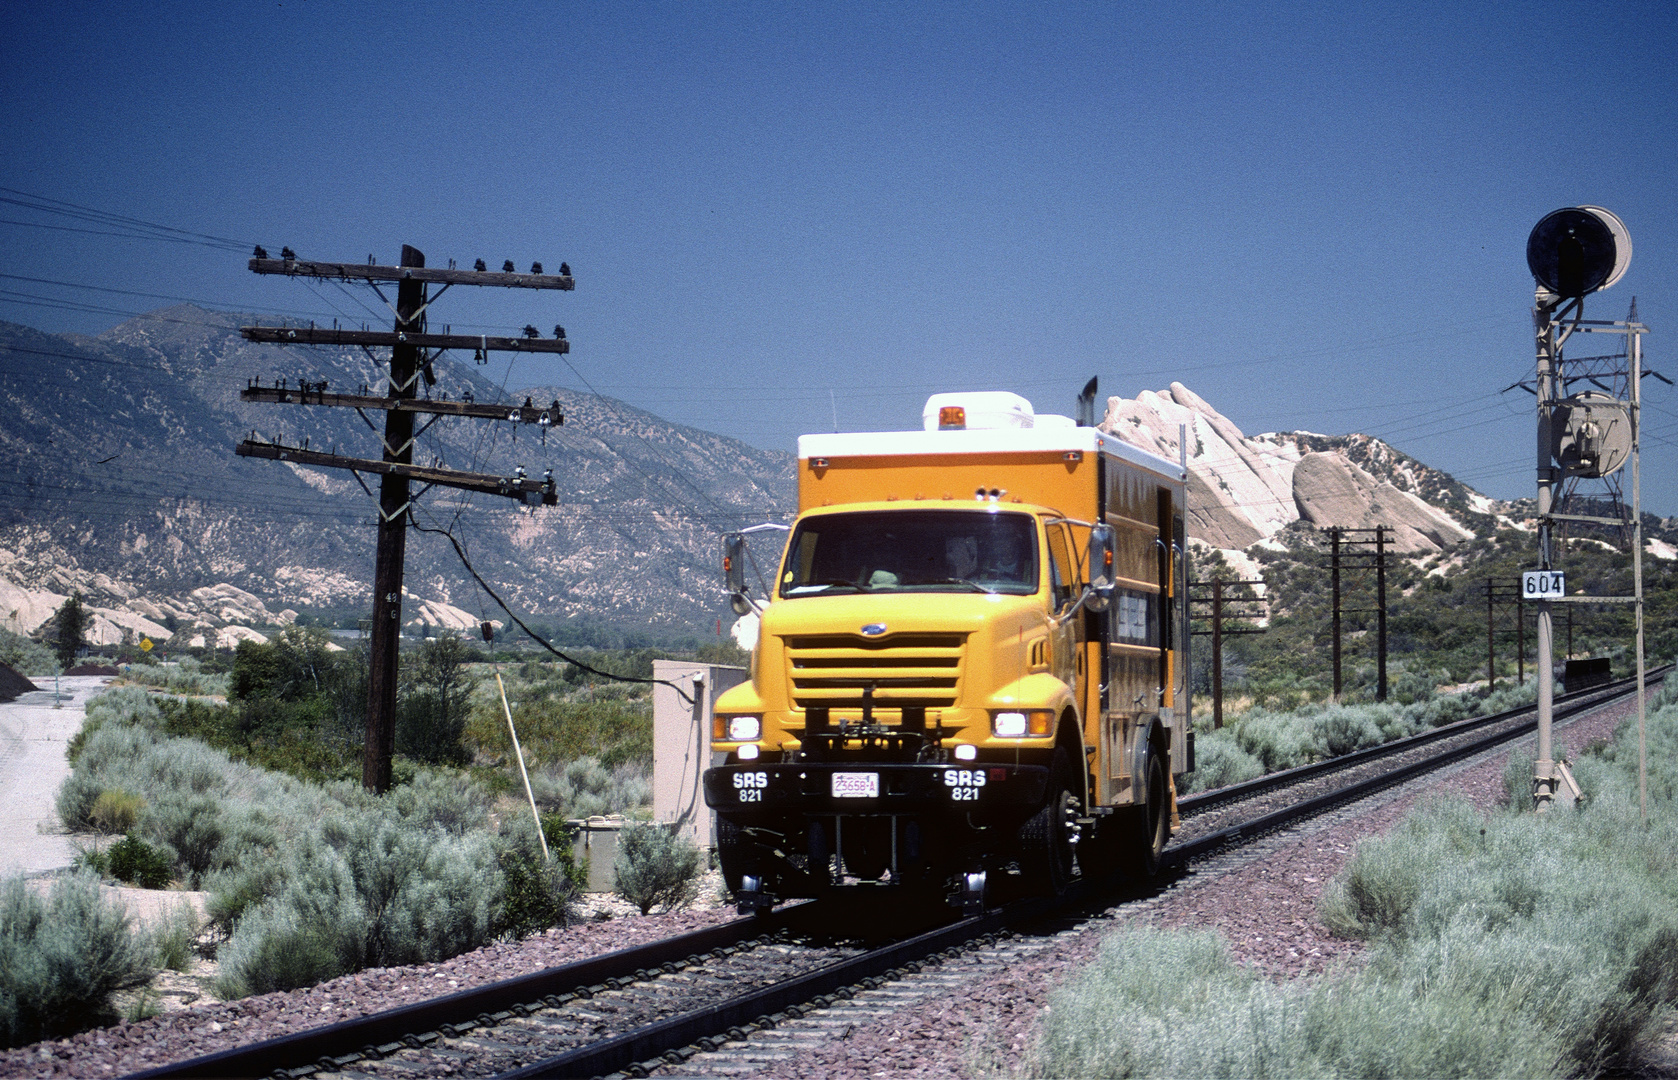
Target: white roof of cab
{"points": [[992, 441]]}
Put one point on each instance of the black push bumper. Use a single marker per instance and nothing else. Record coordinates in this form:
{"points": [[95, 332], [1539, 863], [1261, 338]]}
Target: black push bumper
{"points": [[851, 787]]}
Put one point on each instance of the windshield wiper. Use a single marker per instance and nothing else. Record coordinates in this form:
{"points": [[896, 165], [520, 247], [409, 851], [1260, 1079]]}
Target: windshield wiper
{"points": [[836, 584], [974, 585]]}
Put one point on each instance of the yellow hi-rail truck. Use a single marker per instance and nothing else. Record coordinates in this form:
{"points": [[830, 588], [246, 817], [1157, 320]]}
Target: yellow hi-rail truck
{"points": [[972, 666]]}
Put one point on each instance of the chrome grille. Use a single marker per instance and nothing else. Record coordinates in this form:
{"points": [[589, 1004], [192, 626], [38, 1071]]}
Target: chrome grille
{"points": [[904, 670]]}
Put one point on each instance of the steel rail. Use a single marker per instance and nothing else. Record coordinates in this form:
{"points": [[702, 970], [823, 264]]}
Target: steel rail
{"points": [[1207, 800], [353, 1036], [758, 1009]]}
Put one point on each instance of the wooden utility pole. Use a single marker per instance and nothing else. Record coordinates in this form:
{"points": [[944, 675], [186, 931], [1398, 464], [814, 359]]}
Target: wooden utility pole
{"points": [[1334, 574], [1503, 593], [380, 742], [1213, 607], [407, 342], [1381, 612], [1348, 553]]}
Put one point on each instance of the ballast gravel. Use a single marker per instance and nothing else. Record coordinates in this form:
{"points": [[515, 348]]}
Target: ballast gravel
{"points": [[1262, 900]]}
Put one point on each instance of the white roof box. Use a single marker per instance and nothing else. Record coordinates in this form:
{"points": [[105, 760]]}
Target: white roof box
{"points": [[980, 410]]}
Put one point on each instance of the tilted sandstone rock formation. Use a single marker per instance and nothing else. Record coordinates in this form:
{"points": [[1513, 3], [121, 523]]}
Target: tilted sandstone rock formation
{"points": [[1331, 490], [1243, 490]]}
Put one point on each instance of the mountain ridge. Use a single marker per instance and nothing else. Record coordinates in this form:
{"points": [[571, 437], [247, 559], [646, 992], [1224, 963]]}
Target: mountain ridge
{"points": [[118, 479]]}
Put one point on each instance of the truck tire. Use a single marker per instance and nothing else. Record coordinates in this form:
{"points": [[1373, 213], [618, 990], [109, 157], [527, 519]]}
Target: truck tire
{"points": [[1142, 839], [1046, 844]]}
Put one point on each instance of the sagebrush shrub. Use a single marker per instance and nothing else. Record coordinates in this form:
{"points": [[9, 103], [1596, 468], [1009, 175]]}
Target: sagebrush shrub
{"points": [[61, 959], [586, 788], [1508, 944], [186, 677], [1220, 763], [1278, 740], [26, 656], [306, 880], [191, 827], [173, 937], [656, 866]]}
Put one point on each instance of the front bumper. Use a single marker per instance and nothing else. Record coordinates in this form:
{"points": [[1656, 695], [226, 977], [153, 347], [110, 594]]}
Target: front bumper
{"points": [[875, 788]]}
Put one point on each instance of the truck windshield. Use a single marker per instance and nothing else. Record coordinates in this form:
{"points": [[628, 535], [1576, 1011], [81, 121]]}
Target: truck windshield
{"points": [[913, 551]]}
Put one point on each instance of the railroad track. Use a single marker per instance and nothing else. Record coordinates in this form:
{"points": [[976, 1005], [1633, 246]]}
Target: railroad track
{"points": [[1315, 788], [776, 980]]}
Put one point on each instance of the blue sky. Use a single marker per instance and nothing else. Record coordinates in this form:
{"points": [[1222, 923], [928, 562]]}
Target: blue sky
{"points": [[781, 214]]}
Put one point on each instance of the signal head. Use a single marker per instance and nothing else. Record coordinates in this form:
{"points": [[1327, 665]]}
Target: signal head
{"points": [[1578, 250]]}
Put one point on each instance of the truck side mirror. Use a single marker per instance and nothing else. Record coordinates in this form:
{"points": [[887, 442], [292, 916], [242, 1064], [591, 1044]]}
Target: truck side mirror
{"points": [[1101, 566], [734, 572]]}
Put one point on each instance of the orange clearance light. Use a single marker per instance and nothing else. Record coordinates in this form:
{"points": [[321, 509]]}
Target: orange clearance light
{"points": [[719, 728], [952, 417], [1039, 721]]}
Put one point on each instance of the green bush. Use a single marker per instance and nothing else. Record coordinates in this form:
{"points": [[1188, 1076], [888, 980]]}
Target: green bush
{"points": [[552, 730], [539, 893], [138, 863], [61, 959], [656, 866], [185, 677], [288, 737], [437, 688]]}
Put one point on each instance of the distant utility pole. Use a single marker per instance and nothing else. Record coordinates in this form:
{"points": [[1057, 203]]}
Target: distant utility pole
{"points": [[412, 351], [1504, 593], [1217, 608], [1348, 551]]}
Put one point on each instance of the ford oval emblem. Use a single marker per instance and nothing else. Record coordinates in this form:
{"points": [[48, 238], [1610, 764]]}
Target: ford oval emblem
{"points": [[874, 629]]}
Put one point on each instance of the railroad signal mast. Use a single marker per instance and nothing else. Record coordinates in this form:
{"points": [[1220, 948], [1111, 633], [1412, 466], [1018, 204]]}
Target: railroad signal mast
{"points": [[1572, 253], [412, 352]]}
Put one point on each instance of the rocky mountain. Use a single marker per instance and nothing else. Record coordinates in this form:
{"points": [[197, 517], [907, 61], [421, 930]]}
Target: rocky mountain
{"points": [[118, 479]]}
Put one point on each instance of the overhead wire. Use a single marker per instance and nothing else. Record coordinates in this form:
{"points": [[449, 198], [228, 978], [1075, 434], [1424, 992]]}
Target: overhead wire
{"points": [[136, 228], [534, 636]]}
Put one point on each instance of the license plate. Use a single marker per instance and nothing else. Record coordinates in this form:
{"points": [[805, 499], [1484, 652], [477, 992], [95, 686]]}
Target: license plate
{"points": [[856, 785]]}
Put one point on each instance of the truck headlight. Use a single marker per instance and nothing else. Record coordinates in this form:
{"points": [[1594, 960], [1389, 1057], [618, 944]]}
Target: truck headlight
{"points": [[737, 728], [1033, 723]]}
